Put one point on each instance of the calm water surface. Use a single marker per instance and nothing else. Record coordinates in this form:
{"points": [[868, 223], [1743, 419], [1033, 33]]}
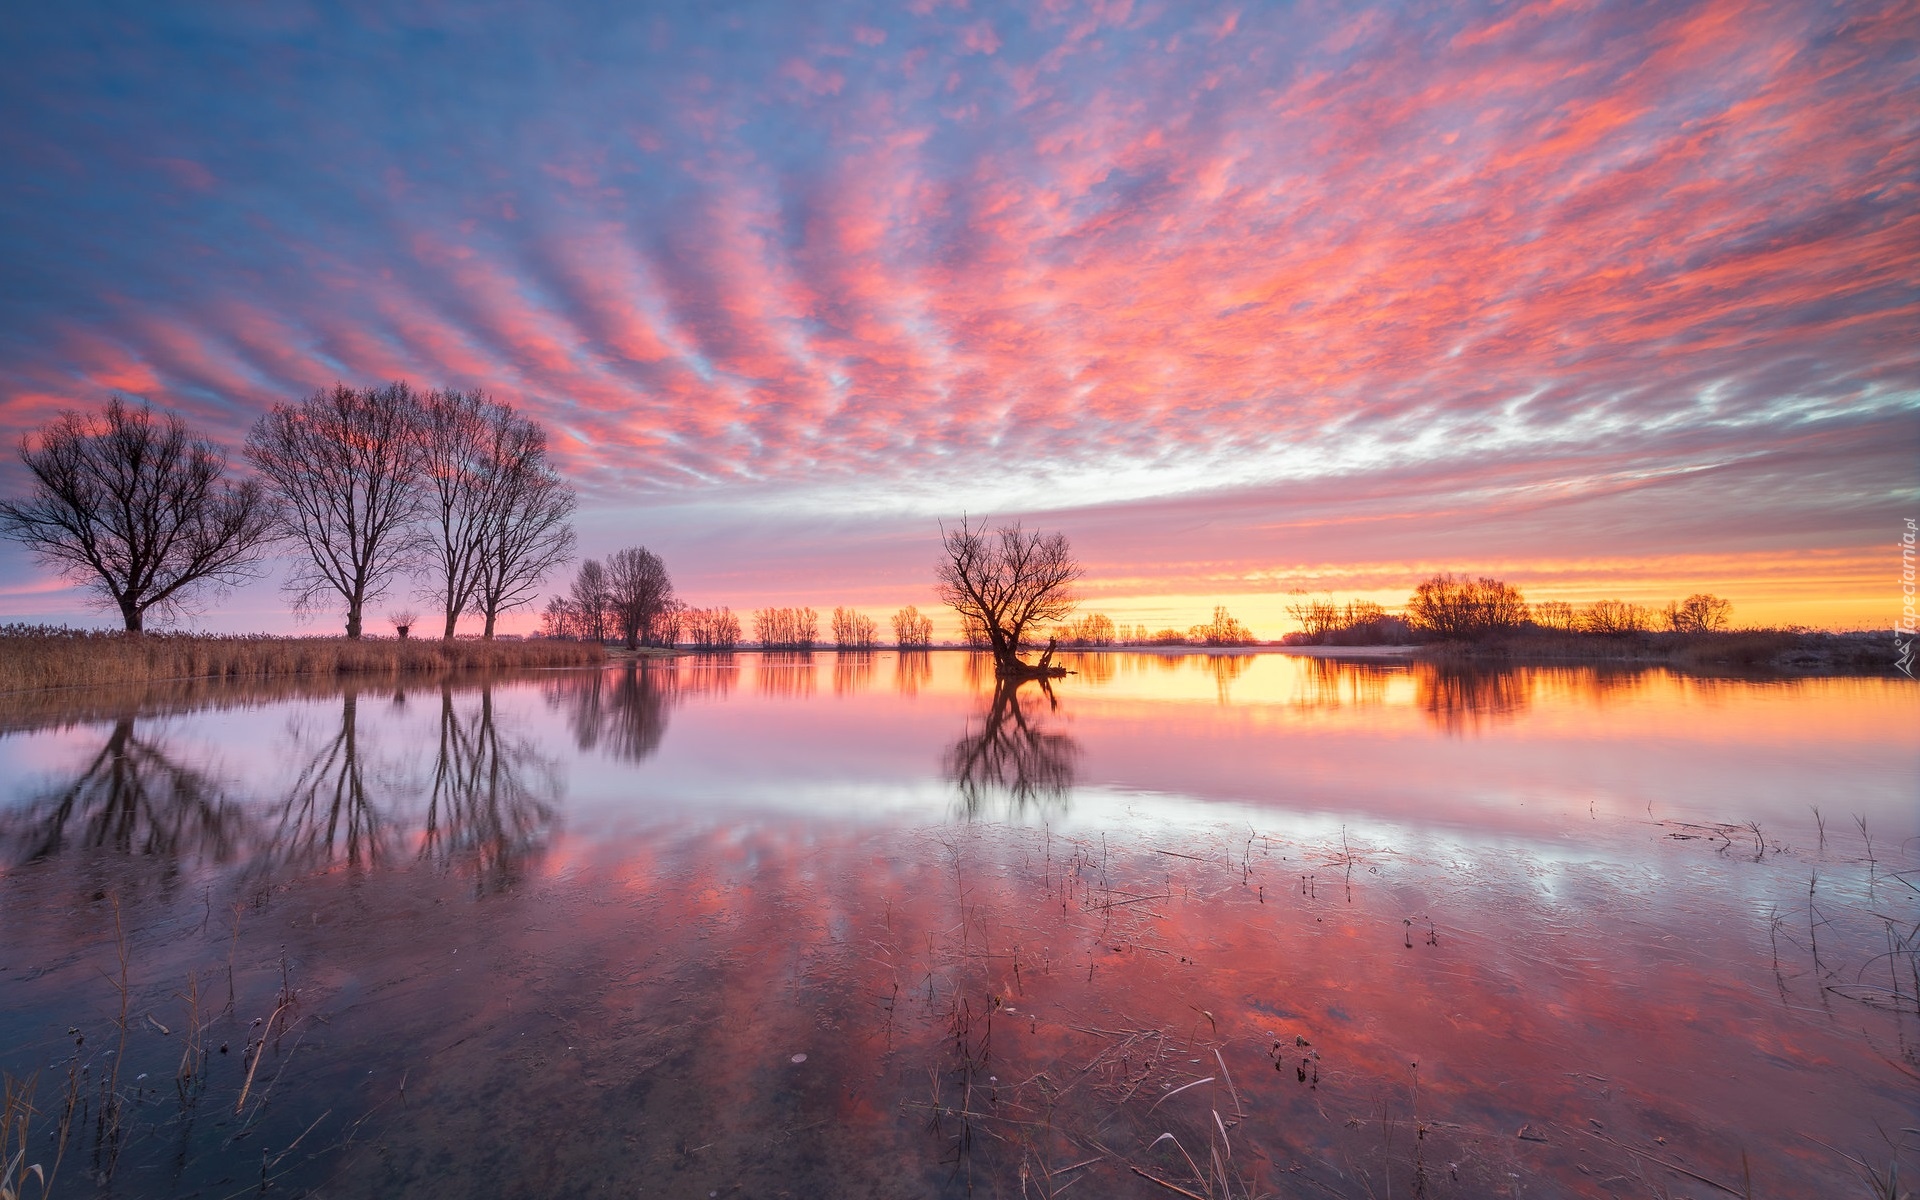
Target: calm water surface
{"points": [[862, 925]]}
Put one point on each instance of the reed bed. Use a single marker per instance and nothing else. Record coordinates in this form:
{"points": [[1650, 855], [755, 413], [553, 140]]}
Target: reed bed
{"points": [[38, 656], [1782, 650]]}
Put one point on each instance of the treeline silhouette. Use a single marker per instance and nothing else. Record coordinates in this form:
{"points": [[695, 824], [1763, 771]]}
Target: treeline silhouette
{"points": [[1449, 608]]}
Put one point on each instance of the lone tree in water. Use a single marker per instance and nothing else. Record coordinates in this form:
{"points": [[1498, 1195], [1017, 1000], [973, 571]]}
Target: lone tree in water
{"points": [[141, 512], [347, 464], [1004, 581]]}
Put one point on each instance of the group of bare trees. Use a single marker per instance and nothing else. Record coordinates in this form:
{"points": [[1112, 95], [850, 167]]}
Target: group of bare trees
{"points": [[377, 482], [362, 486], [1698, 613], [711, 628], [854, 630], [786, 628], [1467, 609], [912, 630], [628, 599], [1355, 623]]}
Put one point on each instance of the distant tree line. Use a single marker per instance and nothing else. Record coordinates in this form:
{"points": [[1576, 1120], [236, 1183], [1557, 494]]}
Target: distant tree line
{"points": [[1464, 608], [358, 486], [629, 599], [711, 628]]}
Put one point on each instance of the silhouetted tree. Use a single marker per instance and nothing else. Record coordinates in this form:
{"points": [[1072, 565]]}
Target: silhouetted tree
{"points": [[1554, 614], [1614, 617], [1464, 608], [525, 534], [854, 630], [639, 594], [140, 512], [346, 463], [592, 602], [1700, 613], [786, 628], [1006, 580], [1094, 629], [911, 628], [1223, 630], [712, 628], [454, 457]]}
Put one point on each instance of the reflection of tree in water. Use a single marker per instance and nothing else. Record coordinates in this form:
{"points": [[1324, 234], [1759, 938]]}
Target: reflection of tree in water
{"points": [[1013, 757], [491, 803], [1225, 668], [330, 814], [1461, 701], [132, 797], [623, 710], [852, 672], [912, 670], [787, 674], [1330, 683], [1091, 668]]}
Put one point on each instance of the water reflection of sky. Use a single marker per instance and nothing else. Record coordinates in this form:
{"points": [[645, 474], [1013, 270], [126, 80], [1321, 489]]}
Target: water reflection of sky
{"points": [[882, 735], [1532, 883]]}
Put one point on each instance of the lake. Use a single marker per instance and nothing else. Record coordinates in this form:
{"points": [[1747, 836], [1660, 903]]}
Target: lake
{"points": [[857, 925]]}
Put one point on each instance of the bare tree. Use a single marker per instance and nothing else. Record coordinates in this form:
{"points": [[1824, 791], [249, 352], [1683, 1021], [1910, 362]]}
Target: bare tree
{"points": [[1700, 613], [912, 629], [347, 464], [1614, 617], [786, 628], [1465, 608], [854, 630], [592, 601], [1223, 630], [712, 628], [640, 593], [455, 459], [525, 534], [141, 513], [1005, 581]]}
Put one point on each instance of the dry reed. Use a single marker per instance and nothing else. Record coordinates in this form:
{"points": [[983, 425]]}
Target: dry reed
{"points": [[38, 656]]}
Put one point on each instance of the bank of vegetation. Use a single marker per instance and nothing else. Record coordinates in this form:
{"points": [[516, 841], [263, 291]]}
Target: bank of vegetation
{"points": [[40, 656], [1482, 619]]}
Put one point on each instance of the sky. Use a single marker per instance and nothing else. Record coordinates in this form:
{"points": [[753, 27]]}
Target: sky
{"points": [[1251, 301]]}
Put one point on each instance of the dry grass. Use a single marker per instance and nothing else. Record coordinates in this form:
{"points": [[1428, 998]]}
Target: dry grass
{"points": [[37, 656]]}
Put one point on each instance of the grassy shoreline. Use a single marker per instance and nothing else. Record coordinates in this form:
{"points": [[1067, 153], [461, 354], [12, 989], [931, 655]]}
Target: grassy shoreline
{"points": [[34, 658]]}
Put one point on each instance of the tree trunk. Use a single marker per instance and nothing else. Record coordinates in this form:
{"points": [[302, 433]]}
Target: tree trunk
{"points": [[353, 621], [134, 617], [488, 635], [453, 618]]}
